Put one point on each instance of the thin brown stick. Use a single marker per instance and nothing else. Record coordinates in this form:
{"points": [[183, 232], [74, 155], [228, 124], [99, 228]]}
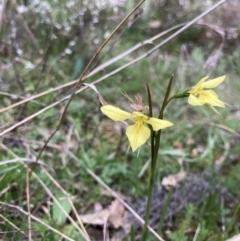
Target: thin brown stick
{"points": [[114, 194], [209, 10], [107, 40], [38, 95], [69, 199], [93, 72], [13, 225], [32, 116], [27, 213], [81, 231], [82, 75], [93, 175], [106, 76], [36, 219], [28, 205]]}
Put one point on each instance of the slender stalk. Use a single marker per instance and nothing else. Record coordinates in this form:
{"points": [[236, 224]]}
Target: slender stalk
{"points": [[150, 115], [151, 185], [155, 137], [132, 233]]}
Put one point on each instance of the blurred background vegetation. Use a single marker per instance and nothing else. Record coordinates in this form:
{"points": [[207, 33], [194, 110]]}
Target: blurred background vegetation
{"points": [[46, 44]]}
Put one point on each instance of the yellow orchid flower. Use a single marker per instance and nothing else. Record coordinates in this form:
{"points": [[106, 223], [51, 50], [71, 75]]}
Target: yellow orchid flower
{"points": [[199, 96], [137, 133]]}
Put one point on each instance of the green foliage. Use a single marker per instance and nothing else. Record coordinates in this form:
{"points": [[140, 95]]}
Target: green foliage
{"points": [[180, 233], [61, 41], [59, 218]]}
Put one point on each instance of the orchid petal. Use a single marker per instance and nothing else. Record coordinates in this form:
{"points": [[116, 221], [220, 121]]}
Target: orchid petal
{"points": [[214, 82], [136, 115], [200, 82], [210, 97], [192, 100], [198, 86], [214, 110], [137, 135], [158, 124], [115, 113]]}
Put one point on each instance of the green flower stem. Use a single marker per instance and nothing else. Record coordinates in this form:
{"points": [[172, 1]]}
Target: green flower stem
{"points": [[154, 150], [155, 137], [155, 145], [151, 183], [176, 96]]}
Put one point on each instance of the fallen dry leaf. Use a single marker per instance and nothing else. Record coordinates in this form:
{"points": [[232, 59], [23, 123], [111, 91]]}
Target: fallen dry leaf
{"points": [[234, 238], [98, 218], [98, 207], [113, 215], [155, 24], [105, 192], [194, 152], [190, 141], [173, 180], [116, 214], [179, 145]]}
